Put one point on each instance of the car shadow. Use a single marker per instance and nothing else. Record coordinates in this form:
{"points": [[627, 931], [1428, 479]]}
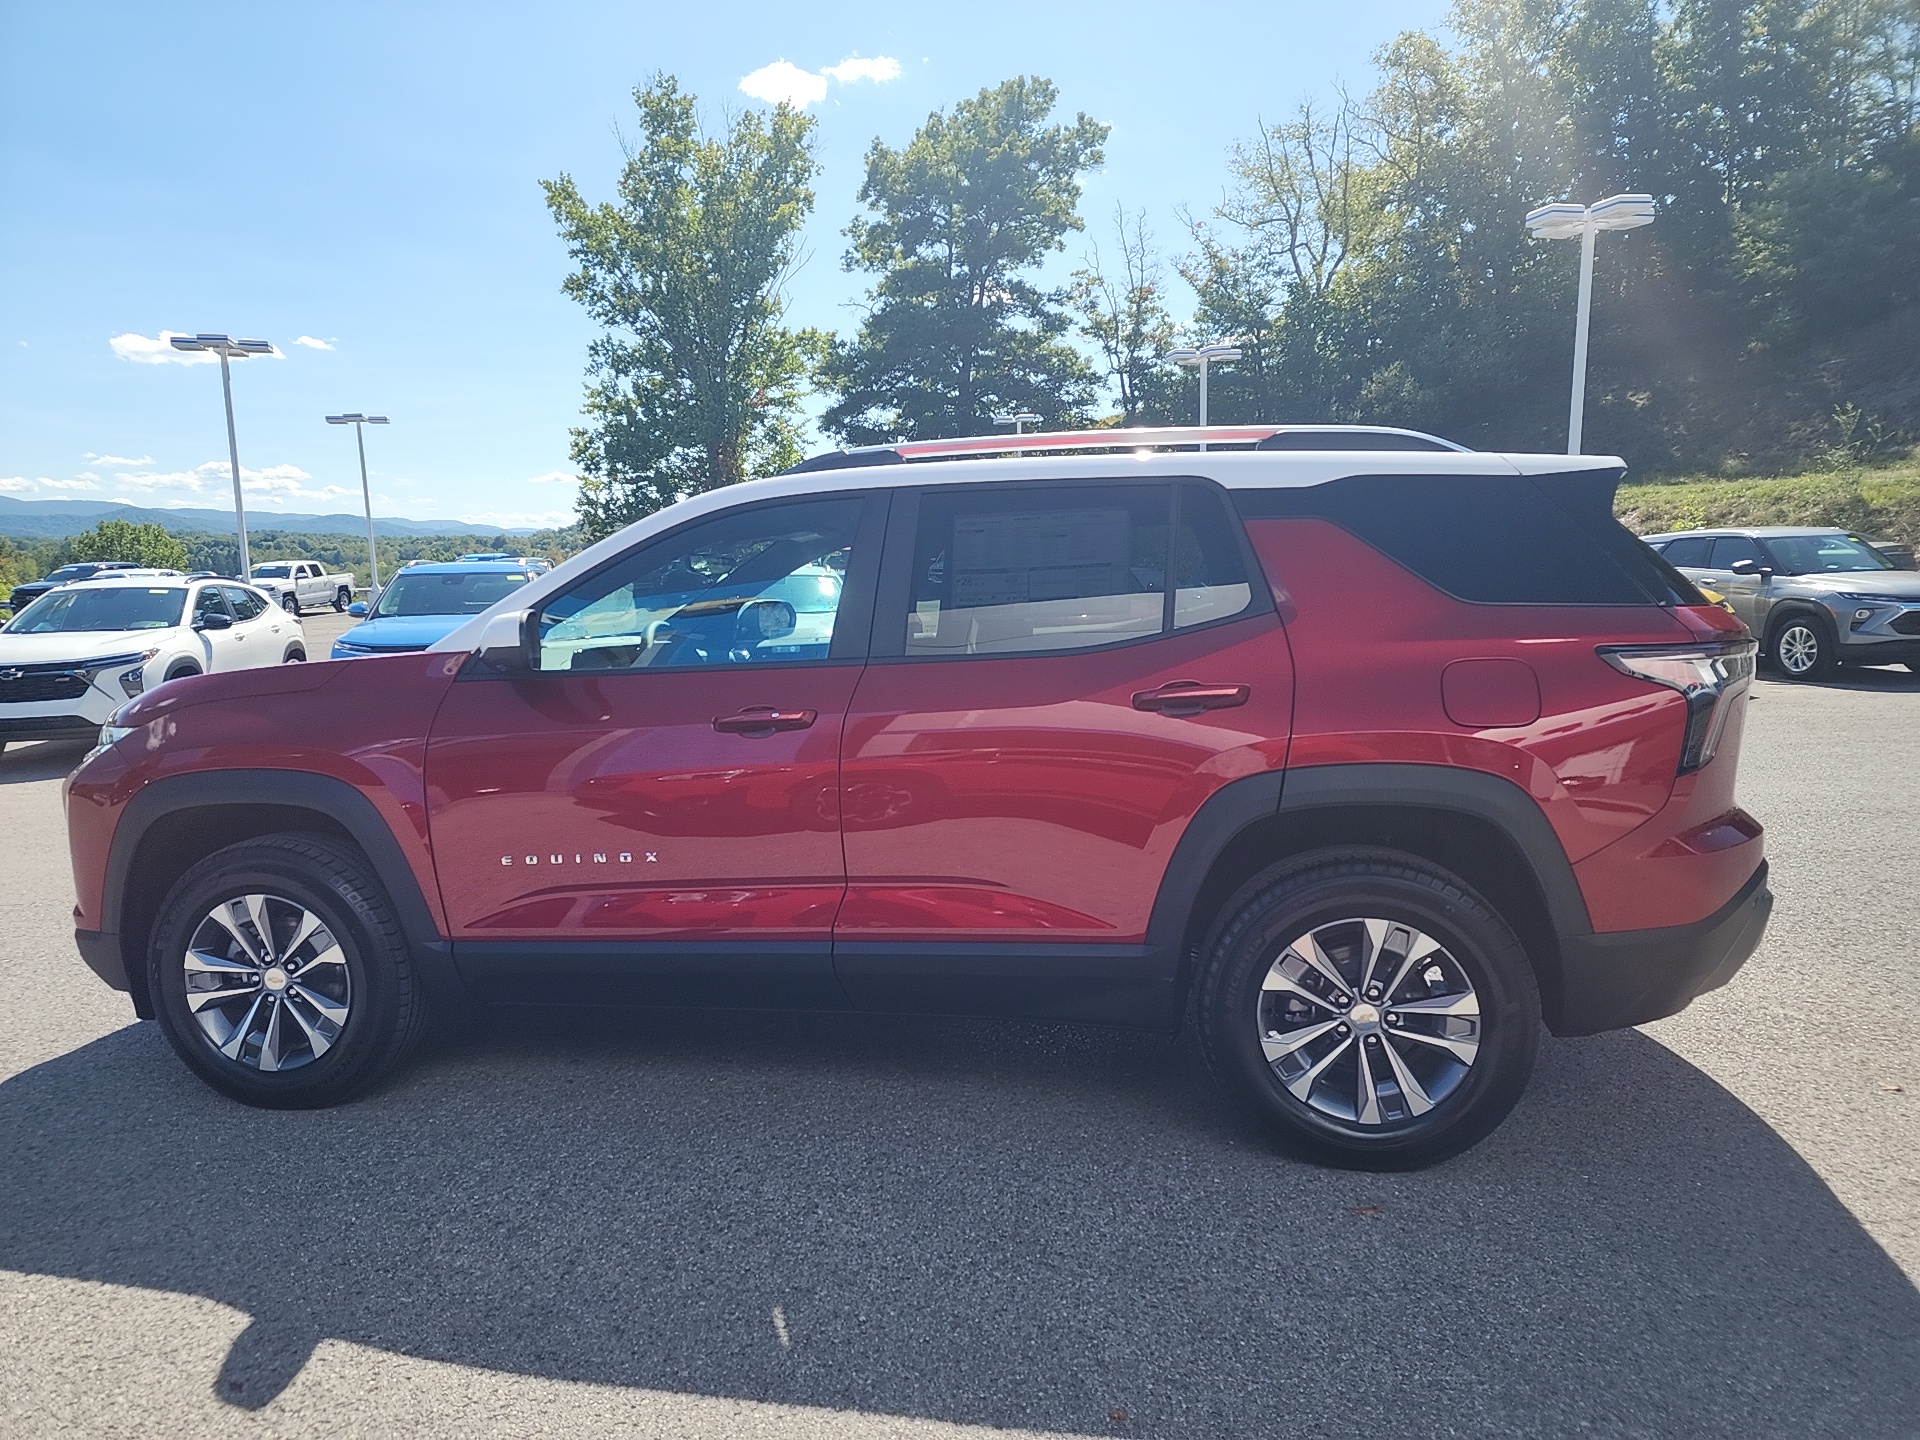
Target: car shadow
{"points": [[999, 1224], [1891, 678], [41, 760]]}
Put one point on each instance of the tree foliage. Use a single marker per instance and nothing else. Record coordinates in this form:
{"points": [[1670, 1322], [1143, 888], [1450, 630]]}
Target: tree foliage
{"points": [[1123, 314], [1371, 259], [957, 325], [695, 383], [151, 545]]}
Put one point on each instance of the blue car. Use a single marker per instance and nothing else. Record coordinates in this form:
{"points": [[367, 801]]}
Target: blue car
{"points": [[424, 602]]}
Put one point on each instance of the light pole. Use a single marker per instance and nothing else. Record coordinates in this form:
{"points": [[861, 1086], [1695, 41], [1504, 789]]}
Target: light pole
{"points": [[360, 423], [1202, 357], [1019, 420], [1567, 222], [227, 350]]}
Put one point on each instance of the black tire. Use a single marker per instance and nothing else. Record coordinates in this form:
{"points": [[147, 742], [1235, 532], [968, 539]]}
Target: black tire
{"points": [[295, 655], [290, 604], [385, 1010], [180, 672], [1801, 629], [341, 599], [1280, 907]]}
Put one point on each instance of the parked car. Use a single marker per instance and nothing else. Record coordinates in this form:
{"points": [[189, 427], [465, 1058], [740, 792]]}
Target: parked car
{"points": [[1373, 759], [297, 584], [25, 595], [1816, 597], [76, 654], [425, 602]]}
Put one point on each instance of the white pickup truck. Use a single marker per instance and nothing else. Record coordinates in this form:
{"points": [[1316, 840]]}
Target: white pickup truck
{"points": [[297, 584]]}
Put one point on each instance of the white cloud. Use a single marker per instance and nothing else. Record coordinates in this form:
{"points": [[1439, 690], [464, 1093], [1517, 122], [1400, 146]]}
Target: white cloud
{"points": [[41, 484], [117, 462], [879, 69], [514, 519], [147, 350], [785, 82], [275, 486], [311, 343], [553, 477]]}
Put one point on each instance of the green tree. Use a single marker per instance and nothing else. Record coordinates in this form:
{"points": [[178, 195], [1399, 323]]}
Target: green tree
{"points": [[1124, 314], [150, 545], [695, 383], [956, 325]]}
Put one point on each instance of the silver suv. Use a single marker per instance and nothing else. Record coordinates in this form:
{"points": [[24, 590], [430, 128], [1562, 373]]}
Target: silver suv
{"points": [[1816, 598]]}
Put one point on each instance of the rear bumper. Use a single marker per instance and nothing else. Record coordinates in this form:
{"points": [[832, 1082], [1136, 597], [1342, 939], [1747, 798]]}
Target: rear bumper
{"points": [[1628, 977]]}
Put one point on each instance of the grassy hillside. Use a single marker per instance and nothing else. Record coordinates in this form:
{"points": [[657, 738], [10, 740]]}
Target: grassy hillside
{"points": [[1882, 503]]}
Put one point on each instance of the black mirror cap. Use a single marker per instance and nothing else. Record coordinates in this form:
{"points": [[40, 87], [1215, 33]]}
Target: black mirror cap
{"points": [[215, 621]]}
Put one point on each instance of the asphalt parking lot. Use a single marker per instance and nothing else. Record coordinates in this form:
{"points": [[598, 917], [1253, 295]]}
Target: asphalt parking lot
{"points": [[713, 1226]]}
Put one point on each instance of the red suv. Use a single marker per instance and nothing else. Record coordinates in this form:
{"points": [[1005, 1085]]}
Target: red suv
{"points": [[1375, 758]]}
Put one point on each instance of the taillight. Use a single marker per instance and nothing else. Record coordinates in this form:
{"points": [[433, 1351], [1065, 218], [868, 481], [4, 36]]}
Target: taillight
{"points": [[1711, 677]]}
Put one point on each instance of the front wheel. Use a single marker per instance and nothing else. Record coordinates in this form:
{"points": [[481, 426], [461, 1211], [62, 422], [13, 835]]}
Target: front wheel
{"points": [[281, 976], [1803, 647], [290, 604], [1373, 1010]]}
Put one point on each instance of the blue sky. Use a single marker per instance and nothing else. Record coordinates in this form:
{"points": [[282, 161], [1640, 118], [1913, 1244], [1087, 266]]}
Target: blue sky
{"points": [[366, 177]]}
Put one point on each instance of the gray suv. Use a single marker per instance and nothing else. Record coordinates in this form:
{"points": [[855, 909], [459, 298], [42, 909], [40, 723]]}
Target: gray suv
{"points": [[1816, 598]]}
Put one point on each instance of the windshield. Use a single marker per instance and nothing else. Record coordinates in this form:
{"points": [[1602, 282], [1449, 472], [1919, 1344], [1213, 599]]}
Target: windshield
{"points": [[1824, 554], [271, 572], [457, 594], [124, 607]]}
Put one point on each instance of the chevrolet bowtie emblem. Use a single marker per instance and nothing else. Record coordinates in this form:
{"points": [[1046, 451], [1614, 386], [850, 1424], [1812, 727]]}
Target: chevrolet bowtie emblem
{"points": [[12, 674]]}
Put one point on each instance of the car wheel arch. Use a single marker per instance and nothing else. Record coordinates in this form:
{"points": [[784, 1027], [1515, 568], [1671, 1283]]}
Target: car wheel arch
{"points": [[173, 823], [1483, 828]]}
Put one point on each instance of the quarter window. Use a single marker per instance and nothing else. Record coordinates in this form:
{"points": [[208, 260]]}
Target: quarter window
{"points": [[748, 587]]}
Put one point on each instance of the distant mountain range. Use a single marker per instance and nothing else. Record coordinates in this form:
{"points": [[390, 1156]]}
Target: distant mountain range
{"points": [[56, 519]]}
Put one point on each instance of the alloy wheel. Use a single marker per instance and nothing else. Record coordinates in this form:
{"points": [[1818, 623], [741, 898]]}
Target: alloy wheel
{"points": [[1369, 1022], [1797, 649], [267, 983]]}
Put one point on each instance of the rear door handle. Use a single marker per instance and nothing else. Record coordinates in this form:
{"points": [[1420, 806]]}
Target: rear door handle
{"points": [[1190, 697], [763, 720]]}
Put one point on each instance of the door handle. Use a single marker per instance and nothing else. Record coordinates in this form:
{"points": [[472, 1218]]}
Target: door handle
{"points": [[1190, 697], [763, 720]]}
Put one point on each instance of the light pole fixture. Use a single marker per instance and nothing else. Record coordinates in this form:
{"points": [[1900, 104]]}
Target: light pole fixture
{"points": [[360, 423], [1583, 222], [228, 349], [1202, 357], [1019, 420]]}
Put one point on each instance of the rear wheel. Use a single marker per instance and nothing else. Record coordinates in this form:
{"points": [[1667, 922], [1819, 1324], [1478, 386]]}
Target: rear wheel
{"points": [[342, 598], [281, 975], [294, 656], [1369, 1007], [1802, 647]]}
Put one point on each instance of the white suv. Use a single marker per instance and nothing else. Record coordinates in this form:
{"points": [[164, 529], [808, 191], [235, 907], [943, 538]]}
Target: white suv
{"points": [[78, 653]]}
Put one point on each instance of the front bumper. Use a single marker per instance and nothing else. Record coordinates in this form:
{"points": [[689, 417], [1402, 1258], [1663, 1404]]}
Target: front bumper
{"points": [[48, 727], [1880, 652], [1628, 977]]}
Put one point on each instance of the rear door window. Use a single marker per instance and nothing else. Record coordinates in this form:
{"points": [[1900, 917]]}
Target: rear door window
{"points": [[1690, 551], [1033, 569]]}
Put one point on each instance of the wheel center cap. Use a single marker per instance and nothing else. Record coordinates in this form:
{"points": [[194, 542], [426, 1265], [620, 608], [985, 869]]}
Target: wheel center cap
{"points": [[275, 978], [1364, 1014]]}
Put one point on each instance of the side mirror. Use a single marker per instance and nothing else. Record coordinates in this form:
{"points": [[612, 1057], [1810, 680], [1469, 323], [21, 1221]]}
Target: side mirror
{"points": [[213, 621], [358, 607], [1750, 567], [763, 620], [510, 642]]}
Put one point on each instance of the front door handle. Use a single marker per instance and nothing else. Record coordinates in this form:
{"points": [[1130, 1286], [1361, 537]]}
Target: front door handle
{"points": [[1190, 697], [763, 720]]}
